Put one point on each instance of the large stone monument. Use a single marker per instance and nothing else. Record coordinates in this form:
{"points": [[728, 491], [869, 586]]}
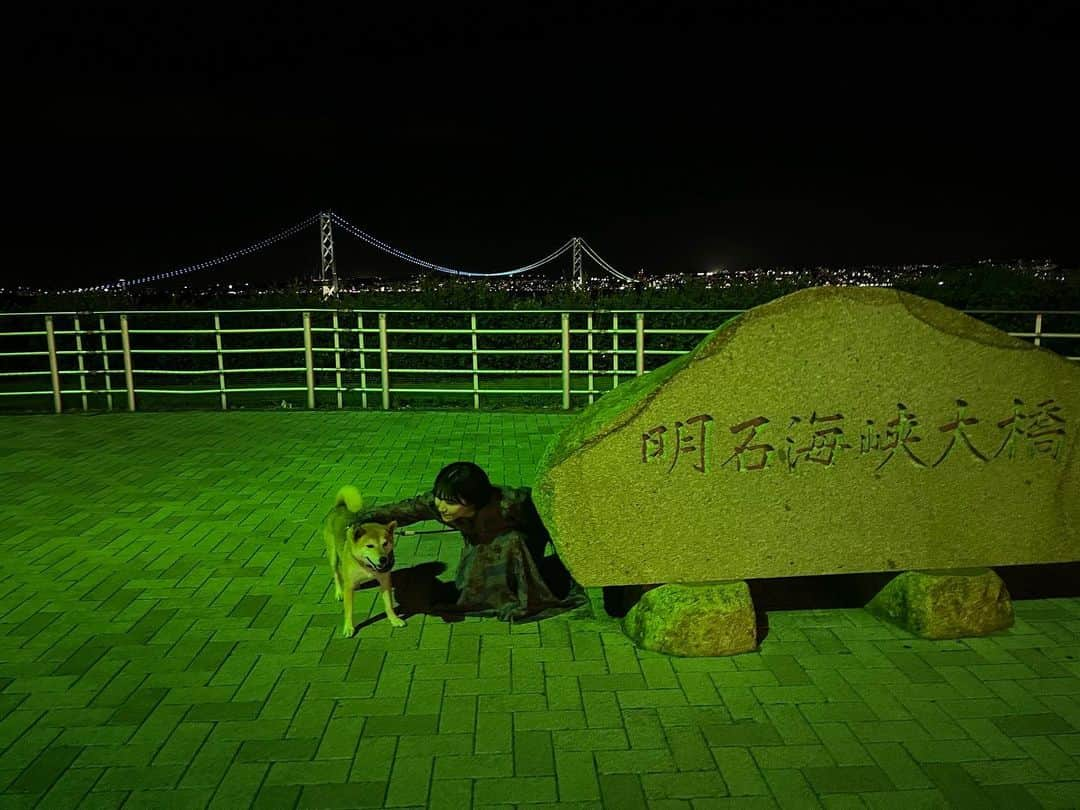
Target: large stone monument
{"points": [[835, 430]]}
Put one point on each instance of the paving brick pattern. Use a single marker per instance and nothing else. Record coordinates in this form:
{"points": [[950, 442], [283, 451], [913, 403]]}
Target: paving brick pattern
{"points": [[168, 638]]}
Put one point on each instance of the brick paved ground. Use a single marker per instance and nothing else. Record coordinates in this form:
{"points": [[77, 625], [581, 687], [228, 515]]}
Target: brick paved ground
{"points": [[168, 637]]}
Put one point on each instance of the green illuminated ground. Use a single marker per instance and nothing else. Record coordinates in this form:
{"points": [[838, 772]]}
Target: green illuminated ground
{"points": [[167, 624]]}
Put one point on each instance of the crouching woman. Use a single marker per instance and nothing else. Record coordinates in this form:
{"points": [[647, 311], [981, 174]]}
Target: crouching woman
{"points": [[501, 565]]}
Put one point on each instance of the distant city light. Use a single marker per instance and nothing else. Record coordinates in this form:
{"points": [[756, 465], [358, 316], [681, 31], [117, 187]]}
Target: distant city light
{"points": [[717, 277]]}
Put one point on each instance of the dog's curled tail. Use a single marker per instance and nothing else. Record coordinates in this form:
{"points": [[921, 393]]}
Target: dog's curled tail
{"points": [[350, 497]]}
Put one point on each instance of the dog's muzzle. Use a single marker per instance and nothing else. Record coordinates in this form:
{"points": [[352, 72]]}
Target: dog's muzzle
{"points": [[386, 565]]}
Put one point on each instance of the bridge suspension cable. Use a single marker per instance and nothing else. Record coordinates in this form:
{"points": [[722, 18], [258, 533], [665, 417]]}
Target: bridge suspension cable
{"points": [[365, 237], [191, 268], [351, 229], [600, 261]]}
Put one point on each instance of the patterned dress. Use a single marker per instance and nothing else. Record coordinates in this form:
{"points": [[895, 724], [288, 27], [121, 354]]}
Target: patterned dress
{"points": [[499, 572]]}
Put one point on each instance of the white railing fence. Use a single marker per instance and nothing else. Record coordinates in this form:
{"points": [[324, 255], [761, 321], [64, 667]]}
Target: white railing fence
{"points": [[365, 358]]}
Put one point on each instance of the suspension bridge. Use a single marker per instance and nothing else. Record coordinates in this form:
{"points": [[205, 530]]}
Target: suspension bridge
{"points": [[326, 221]]}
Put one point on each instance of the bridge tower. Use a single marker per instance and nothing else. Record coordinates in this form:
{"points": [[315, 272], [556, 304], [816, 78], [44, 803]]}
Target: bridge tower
{"points": [[577, 274], [326, 253]]}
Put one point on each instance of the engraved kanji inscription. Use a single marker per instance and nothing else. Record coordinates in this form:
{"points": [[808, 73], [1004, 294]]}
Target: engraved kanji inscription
{"points": [[823, 444], [899, 435], [746, 454], [956, 431], [690, 438], [652, 443], [1046, 429]]}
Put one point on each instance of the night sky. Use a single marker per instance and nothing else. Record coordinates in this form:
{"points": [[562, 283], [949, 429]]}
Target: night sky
{"points": [[480, 140]]}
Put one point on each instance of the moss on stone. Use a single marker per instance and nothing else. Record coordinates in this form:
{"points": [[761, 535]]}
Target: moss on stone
{"points": [[621, 404], [953, 322], [608, 413]]}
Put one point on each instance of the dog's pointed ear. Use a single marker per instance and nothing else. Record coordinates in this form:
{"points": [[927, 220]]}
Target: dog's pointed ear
{"points": [[391, 526]]}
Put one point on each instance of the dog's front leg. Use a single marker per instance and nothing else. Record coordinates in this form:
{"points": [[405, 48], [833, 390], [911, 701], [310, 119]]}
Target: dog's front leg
{"points": [[347, 594], [338, 585], [388, 603]]}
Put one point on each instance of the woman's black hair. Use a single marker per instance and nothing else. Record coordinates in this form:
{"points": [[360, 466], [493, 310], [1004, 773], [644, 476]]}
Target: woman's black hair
{"points": [[463, 482]]}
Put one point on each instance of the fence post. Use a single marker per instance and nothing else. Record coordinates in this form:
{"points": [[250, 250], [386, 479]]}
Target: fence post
{"points": [[1038, 329], [475, 364], [105, 361], [82, 365], [363, 360], [54, 365], [384, 362], [220, 362], [640, 341], [309, 363], [589, 356], [337, 361], [614, 349], [566, 361], [129, 372]]}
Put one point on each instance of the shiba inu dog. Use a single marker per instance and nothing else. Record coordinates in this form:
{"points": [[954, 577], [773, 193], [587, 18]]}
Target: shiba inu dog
{"points": [[358, 553]]}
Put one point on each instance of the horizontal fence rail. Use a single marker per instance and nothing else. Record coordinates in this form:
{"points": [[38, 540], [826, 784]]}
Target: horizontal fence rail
{"points": [[248, 358]]}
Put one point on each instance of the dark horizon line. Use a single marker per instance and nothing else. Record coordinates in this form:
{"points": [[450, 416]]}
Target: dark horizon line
{"points": [[1016, 265]]}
